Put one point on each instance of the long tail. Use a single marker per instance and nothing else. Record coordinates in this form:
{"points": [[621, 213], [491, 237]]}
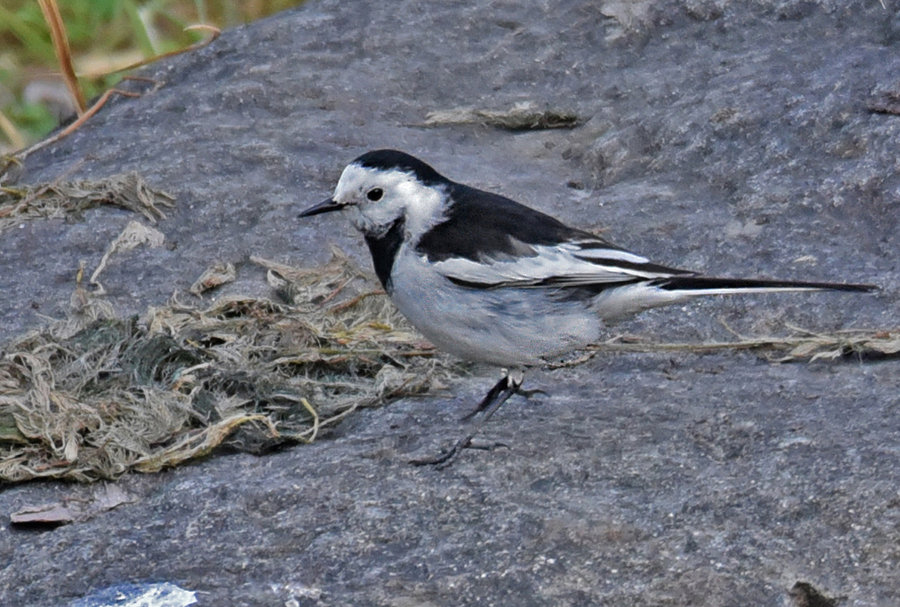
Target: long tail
{"points": [[617, 303], [706, 285]]}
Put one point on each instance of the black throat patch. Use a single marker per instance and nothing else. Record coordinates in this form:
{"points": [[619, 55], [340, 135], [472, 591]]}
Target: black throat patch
{"points": [[384, 250]]}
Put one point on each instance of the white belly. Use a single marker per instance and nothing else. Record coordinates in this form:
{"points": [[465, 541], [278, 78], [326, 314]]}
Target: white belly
{"points": [[504, 327]]}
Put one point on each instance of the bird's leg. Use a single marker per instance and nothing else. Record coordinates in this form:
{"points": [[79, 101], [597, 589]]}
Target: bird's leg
{"points": [[496, 396], [510, 384], [493, 394]]}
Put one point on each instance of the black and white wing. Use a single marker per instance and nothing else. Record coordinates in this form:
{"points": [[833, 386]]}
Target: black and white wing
{"points": [[491, 242], [488, 241]]}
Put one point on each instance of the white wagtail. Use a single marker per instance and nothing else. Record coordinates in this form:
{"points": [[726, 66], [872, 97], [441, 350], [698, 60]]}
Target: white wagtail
{"points": [[490, 280]]}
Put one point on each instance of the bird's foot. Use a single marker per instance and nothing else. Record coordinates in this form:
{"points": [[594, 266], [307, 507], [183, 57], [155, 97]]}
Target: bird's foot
{"points": [[447, 456], [508, 385], [532, 392]]}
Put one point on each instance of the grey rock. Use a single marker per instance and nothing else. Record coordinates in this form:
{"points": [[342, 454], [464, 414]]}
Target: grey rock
{"points": [[733, 138]]}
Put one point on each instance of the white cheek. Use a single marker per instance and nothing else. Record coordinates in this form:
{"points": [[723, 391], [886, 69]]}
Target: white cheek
{"points": [[423, 208], [374, 217], [359, 221]]}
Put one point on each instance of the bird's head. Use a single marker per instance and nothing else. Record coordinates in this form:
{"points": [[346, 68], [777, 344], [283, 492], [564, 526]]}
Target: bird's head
{"points": [[382, 186]]}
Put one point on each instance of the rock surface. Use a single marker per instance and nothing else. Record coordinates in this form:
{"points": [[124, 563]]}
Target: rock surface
{"points": [[734, 138]]}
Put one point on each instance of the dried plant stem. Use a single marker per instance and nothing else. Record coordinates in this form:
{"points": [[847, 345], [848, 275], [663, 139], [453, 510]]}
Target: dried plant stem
{"points": [[63, 54]]}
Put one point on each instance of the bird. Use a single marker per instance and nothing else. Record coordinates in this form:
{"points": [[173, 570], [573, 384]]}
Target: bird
{"points": [[490, 280]]}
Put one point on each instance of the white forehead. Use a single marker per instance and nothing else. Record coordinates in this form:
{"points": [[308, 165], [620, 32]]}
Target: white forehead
{"points": [[421, 204], [356, 180]]}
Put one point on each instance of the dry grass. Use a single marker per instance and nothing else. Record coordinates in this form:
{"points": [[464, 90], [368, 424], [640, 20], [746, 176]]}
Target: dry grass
{"points": [[524, 116], [66, 199], [801, 346], [63, 53], [94, 396]]}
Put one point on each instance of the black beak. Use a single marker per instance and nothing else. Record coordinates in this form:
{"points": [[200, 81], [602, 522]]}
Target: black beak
{"points": [[326, 206]]}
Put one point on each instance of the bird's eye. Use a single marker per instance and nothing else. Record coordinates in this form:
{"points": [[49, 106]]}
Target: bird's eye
{"points": [[375, 194]]}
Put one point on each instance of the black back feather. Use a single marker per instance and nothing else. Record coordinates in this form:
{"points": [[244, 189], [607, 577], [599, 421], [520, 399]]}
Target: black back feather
{"points": [[480, 224]]}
